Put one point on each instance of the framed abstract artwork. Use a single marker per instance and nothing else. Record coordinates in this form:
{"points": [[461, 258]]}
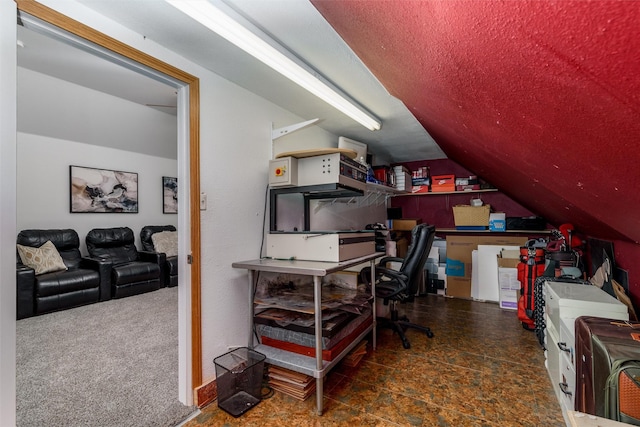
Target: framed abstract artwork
{"points": [[169, 195], [102, 190]]}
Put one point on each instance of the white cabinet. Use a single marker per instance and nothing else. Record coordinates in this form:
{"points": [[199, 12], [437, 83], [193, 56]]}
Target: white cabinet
{"points": [[564, 302]]}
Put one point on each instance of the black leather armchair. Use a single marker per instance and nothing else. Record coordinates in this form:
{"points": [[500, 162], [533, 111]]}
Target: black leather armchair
{"points": [[170, 265], [85, 281], [132, 271], [402, 285]]}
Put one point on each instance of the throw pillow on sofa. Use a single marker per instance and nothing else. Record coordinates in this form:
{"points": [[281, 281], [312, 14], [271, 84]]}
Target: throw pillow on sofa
{"points": [[166, 242], [45, 259]]}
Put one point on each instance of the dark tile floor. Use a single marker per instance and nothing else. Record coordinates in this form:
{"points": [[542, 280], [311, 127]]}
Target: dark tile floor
{"points": [[481, 369]]}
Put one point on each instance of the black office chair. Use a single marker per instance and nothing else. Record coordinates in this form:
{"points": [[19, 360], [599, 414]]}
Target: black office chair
{"points": [[402, 285]]}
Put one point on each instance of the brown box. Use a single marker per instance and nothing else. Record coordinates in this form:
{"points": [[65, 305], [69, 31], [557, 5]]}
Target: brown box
{"points": [[459, 287], [459, 249], [405, 224], [502, 240], [402, 245], [459, 264], [508, 262], [466, 215]]}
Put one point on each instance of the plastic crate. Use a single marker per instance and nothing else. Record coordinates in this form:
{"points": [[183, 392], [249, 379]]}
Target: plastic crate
{"points": [[239, 380]]}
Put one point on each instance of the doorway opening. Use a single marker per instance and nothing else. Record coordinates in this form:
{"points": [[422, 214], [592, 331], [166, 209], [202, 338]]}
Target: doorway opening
{"points": [[187, 86]]}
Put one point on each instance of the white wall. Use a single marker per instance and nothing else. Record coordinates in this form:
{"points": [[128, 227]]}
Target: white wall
{"points": [[60, 109], [7, 212], [44, 187], [235, 135]]}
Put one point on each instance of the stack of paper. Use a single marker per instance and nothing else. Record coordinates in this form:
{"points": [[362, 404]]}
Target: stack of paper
{"points": [[294, 384], [356, 355]]}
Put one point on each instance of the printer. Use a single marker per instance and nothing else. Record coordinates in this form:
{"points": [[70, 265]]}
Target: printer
{"points": [[323, 176]]}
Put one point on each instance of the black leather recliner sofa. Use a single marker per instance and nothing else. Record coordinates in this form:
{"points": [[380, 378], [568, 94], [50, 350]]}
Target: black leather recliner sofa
{"points": [[170, 265], [132, 272], [85, 281]]}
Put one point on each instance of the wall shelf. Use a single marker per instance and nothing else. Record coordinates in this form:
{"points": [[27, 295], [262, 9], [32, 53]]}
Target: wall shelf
{"points": [[374, 194], [455, 230], [444, 193]]}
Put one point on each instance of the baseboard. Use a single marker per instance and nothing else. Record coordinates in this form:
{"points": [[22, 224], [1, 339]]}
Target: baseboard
{"points": [[205, 394]]}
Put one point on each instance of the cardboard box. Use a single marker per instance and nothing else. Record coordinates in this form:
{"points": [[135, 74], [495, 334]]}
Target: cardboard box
{"points": [[507, 262], [498, 221], [502, 240], [508, 281], [443, 183], [467, 187], [466, 215], [442, 279], [402, 246], [443, 180], [458, 287], [405, 224], [459, 259], [459, 249], [419, 189]]}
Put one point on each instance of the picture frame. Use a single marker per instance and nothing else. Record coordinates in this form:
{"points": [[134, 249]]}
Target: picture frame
{"points": [[169, 195], [94, 190]]}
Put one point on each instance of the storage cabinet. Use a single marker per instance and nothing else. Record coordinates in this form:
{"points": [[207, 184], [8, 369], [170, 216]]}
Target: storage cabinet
{"points": [[564, 302]]}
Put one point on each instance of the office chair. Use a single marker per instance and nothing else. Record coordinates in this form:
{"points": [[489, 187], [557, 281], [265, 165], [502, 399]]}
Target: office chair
{"points": [[402, 285]]}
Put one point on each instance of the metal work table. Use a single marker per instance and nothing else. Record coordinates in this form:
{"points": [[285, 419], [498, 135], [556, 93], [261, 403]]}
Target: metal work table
{"points": [[316, 367]]}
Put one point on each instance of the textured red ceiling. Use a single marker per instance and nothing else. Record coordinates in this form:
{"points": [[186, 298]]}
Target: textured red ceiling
{"points": [[540, 98]]}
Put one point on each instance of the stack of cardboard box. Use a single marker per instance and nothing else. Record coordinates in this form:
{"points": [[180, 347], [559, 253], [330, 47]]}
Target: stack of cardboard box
{"points": [[459, 259]]}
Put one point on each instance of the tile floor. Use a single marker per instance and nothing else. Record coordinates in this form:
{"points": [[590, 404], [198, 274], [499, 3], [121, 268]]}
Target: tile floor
{"points": [[481, 369]]}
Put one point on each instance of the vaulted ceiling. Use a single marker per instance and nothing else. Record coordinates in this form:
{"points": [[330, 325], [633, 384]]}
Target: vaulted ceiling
{"points": [[540, 98]]}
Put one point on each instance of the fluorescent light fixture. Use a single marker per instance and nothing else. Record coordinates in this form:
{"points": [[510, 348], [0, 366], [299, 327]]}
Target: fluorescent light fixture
{"points": [[223, 25]]}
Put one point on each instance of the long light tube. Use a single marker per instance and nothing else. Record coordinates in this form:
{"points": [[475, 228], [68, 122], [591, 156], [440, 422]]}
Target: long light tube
{"points": [[220, 23]]}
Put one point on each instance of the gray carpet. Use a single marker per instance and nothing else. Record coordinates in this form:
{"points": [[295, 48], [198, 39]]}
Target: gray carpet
{"points": [[113, 363]]}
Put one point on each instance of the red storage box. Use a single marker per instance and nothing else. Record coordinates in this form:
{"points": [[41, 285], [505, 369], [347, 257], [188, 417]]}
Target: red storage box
{"points": [[443, 183]]}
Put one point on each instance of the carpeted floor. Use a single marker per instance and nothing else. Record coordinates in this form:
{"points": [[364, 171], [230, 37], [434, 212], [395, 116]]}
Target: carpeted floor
{"points": [[114, 363]]}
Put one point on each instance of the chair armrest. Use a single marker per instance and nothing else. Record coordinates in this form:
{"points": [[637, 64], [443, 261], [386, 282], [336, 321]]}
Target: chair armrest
{"points": [[393, 274], [154, 257], [25, 287], [387, 259], [365, 274], [103, 268]]}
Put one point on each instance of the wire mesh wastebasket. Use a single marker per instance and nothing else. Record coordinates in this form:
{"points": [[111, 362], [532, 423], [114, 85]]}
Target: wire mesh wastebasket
{"points": [[239, 380]]}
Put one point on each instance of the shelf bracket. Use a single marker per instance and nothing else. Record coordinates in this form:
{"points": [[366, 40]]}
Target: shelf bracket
{"points": [[280, 132], [366, 198]]}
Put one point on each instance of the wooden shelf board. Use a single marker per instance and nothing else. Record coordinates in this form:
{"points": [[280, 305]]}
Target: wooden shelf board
{"points": [[437, 193], [455, 230]]}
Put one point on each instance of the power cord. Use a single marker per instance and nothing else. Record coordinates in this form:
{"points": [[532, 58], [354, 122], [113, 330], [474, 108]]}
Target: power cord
{"points": [[264, 219], [267, 391]]}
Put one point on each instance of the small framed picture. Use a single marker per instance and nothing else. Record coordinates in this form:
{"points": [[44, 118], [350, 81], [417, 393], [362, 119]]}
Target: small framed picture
{"points": [[169, 195]]}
